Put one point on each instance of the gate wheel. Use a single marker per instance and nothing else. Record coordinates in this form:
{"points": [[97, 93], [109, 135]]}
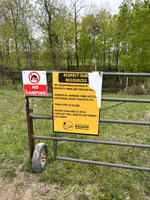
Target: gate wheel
{"points": [[39, 158]]}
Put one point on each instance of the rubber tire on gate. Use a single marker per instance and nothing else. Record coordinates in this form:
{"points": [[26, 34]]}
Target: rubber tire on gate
{"points": [[37, 164]]}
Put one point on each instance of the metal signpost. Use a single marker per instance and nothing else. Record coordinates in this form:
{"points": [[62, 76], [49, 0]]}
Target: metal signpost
{"points": [[39, 153]]}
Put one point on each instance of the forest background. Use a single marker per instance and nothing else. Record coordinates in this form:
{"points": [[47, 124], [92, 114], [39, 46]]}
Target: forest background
{"points": [[53, 35]]}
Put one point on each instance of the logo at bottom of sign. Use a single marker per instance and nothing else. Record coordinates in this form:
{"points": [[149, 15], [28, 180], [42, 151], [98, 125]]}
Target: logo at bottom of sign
{"points": [[68, 126]]}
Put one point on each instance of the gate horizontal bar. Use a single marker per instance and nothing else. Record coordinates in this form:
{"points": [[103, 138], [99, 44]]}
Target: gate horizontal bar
{"points": [[41, 117], [126, 100], [49, 117], [119, 74], [102, 163], [103, 99], [126, 74], [91, 141], [39, 96], [124, 122], [49, 72]]}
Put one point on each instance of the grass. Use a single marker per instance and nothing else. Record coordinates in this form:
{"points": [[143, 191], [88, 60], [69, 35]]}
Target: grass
{"points": [[76, 180]]}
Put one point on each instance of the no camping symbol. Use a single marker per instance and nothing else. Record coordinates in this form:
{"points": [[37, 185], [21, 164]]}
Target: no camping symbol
{"points": [[34, 77]]}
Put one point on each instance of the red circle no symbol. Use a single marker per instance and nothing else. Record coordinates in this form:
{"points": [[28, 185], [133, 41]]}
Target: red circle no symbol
{"points": [[34, 77]]}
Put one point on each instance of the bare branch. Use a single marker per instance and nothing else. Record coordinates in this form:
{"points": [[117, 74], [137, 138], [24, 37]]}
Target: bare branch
{"points": [[73, 3], [80, 9]]}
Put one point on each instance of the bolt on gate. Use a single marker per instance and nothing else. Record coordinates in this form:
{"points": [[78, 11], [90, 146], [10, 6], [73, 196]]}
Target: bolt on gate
{"points": [[39, 153]]}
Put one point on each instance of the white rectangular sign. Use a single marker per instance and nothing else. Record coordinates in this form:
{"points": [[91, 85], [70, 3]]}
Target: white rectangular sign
{"points": [[35, 82]]}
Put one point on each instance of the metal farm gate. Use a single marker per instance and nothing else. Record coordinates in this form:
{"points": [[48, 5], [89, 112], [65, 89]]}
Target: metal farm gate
{"points": [[42, 158]]}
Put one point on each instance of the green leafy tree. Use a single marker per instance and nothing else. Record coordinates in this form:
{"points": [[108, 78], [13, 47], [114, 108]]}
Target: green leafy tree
{"points": [[52, 19], [87, 42], [133, 21], [15, 34]]}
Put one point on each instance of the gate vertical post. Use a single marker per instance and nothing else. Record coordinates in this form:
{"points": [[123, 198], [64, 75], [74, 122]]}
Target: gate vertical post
{"points": [[30, 127], [55, 150]]}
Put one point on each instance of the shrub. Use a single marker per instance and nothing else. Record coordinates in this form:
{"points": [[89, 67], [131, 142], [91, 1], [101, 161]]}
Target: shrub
{"points": [[139, 89]]}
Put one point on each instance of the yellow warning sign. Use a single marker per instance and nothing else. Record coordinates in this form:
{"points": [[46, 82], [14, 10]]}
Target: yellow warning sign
{"points": [[76, 102]]}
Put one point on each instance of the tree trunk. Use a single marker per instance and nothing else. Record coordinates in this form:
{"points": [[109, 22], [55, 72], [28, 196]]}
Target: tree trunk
{"points": [[48, 10], [127, 82], [91, 63], [51, 43], [76, 41], [1, 68], [68, 60], [117, 57], [18, 59], [104, 56], [95, 61], [109, 59], [120, 84]]}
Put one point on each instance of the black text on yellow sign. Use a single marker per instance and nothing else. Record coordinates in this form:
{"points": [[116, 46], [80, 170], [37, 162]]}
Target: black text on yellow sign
{"points": [[75, 108]]}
